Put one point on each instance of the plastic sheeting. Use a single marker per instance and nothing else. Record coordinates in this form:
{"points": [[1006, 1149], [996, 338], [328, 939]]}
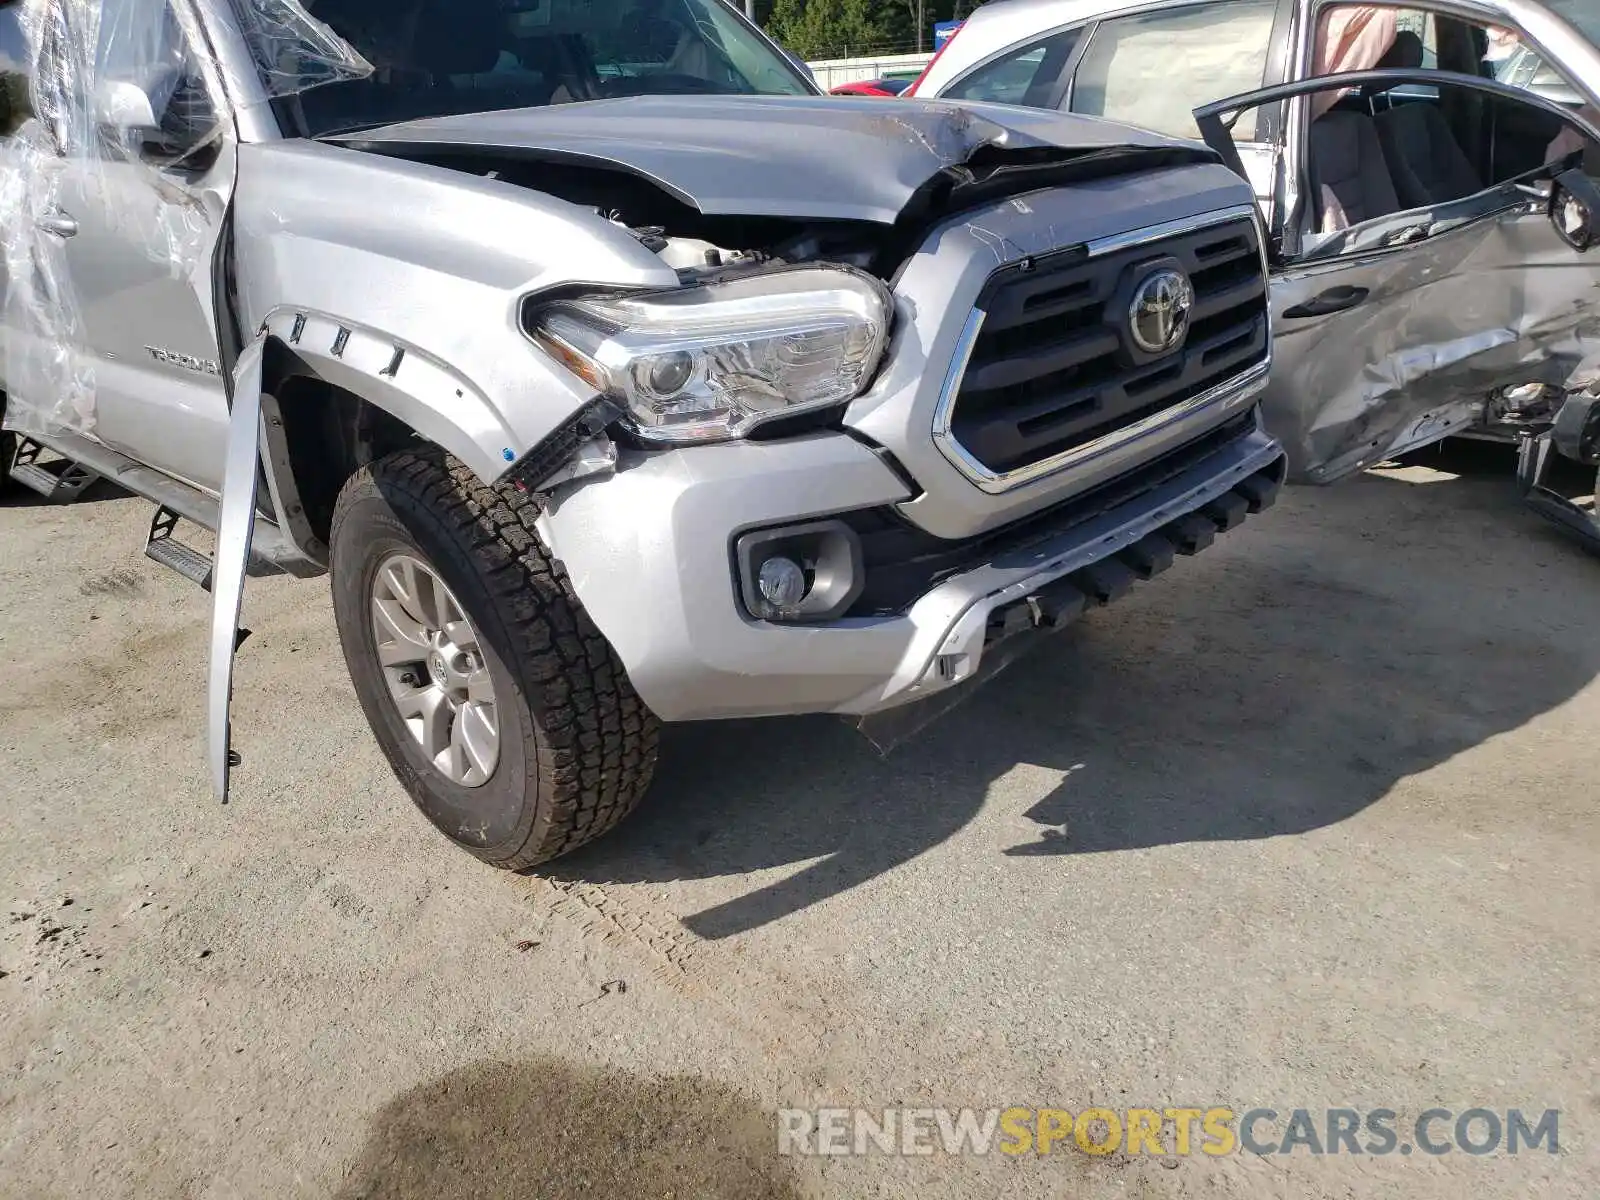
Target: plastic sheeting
{"points": [[123, 130]]}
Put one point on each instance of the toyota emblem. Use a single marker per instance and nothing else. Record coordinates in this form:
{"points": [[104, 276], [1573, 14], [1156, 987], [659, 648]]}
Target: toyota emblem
{"points": [[1158, 318]]}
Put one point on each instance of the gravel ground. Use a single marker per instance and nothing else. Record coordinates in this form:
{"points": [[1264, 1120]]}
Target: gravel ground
{"points": [[1308, 822]]}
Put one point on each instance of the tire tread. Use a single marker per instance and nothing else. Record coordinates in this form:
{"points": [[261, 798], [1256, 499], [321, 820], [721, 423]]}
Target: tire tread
{"points": [[599, 743]]}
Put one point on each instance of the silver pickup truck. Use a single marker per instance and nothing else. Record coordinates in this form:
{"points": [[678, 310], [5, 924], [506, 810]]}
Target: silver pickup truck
{"points": [[613, 374]]}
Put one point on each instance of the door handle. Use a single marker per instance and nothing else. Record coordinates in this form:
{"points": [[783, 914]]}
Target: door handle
{"points": [[58, 223], [1331, 301]]}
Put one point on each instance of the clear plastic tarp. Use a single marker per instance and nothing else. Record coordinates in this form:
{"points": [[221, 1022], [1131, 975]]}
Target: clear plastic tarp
{"points": [[114, 125]]}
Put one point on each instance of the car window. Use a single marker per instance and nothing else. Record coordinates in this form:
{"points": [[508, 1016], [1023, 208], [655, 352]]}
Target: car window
{"points": [[1023, 76], [704, 42], [1384, 148], [1360, 37], [1520, 66], [134, 42], [1154, 69], [1363, 37], [16, 72]]}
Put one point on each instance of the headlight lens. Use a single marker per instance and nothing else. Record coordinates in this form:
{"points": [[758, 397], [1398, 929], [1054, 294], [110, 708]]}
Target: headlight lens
{"points": [[712, 362]]}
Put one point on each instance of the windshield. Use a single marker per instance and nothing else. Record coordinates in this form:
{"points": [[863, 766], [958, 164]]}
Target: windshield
{"points": [[434, 58]]}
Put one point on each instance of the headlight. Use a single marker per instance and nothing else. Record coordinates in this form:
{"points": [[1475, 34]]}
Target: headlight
{"points": [[713, 361]]}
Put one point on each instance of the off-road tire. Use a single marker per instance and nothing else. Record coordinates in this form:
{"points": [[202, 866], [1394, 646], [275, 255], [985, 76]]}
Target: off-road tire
{"points": [[577, 745]]}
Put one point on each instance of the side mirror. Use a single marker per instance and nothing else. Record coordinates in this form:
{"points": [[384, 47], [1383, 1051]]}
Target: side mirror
{"points": [[127, 113], [124, 107], [1575, 209]]}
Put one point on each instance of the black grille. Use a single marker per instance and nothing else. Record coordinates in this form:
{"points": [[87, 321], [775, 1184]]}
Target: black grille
{"points": [[1055, 367]]}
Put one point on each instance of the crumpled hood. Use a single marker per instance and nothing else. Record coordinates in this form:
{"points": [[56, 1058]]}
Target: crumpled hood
{"points": [[815, 158]]}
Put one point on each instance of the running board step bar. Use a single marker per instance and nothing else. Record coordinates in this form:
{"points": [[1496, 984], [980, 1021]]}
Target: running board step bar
{"points": [[271, 551], [167, 550], [61, 481]]}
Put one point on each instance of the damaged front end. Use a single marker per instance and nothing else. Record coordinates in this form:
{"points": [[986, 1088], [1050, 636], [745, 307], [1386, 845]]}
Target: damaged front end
{"points": [[794, 216], [742, 315]]}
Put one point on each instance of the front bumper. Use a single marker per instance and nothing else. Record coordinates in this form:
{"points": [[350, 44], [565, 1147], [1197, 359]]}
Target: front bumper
{"points": [[964, 560], [649, 553]]}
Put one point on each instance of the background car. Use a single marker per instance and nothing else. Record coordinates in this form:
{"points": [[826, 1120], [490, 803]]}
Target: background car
{"points": [[873, 87]]}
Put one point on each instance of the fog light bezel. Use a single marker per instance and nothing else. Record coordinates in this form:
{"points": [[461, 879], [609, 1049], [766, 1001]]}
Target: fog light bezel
{"points": [[828, 551]]}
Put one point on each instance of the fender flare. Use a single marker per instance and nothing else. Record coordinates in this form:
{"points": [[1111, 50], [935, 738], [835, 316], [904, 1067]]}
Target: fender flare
{"points": [[432, 397], [235, 524]]}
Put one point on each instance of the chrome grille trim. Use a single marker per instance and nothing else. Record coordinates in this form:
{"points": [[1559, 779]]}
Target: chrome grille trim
{"points": [[1227, 396]]}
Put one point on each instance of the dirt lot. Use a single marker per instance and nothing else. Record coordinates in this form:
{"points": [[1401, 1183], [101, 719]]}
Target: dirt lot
{"points": [[1309, 822]]}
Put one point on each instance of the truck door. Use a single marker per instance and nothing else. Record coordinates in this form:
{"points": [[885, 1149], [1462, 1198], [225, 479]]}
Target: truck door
{"points": [[147, 174]]}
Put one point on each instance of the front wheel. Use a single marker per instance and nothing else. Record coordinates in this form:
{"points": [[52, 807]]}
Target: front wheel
{"points": [[502, 709]]}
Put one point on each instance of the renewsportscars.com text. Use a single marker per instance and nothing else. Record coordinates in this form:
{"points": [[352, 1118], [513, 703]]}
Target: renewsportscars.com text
{"points": [[1166, 1131]]}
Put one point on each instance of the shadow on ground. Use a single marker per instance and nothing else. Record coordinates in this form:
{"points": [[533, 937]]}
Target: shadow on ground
{"points": [[1280, 683], [546, 1130]]}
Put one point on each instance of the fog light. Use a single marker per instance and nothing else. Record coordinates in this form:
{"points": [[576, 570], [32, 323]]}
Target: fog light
{"points": [[799, 573], [782, 582]]}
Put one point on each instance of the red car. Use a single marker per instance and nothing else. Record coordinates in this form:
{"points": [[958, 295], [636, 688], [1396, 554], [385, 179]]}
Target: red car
{"points": [[872, 87]]}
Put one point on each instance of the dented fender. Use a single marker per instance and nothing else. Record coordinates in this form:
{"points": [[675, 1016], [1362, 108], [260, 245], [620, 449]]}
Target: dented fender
{"points": [[322, 234], [404, 283]]}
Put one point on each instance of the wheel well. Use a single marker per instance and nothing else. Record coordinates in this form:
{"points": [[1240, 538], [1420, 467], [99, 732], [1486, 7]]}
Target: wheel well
{"points": [[328, 434]]}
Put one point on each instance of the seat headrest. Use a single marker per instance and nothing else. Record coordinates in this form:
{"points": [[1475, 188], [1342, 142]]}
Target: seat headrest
{"points": [[1404, 55]]}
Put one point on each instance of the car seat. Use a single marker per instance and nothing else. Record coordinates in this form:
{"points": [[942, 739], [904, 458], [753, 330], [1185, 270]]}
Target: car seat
{"points": [[1427, 164]]}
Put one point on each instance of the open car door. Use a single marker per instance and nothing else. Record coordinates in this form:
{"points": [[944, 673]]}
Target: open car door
{"points": [[1394, 326]]}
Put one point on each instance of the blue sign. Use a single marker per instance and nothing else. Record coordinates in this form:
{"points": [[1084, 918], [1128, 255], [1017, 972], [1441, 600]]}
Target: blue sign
{"points": [[943, 32]]}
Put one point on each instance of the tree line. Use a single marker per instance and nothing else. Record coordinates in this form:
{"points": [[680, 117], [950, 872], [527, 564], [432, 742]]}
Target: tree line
{"points": [[816, 29]]}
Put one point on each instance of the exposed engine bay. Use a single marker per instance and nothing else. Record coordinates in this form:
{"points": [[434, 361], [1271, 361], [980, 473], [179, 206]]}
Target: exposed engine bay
{"points": [[699, 247], [716, 239]]}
